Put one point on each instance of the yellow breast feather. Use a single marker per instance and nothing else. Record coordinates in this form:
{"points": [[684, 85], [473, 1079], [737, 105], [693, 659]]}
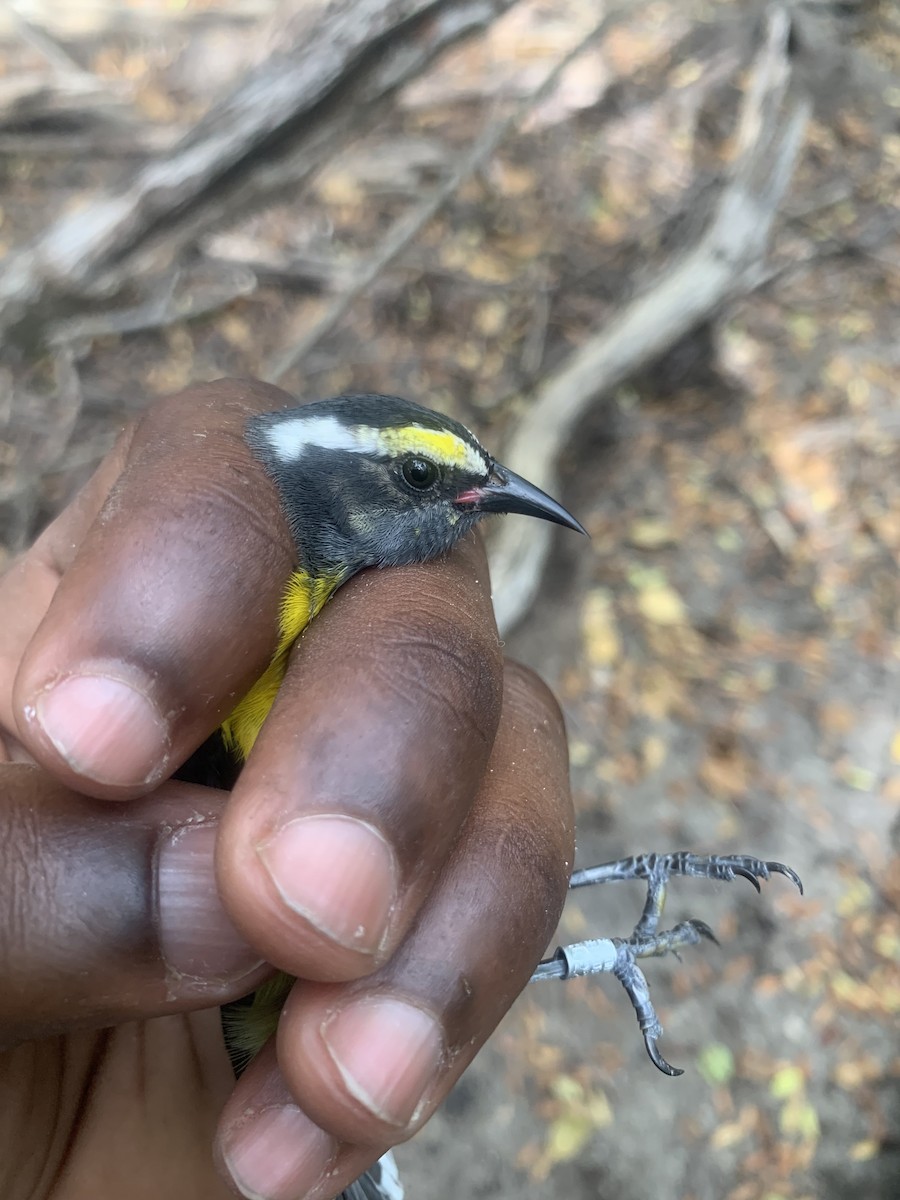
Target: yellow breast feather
{"points": [[303, 599], [248, 1027]]}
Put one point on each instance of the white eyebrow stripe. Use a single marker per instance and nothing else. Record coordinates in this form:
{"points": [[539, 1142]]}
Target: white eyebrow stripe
{"points": [[475, 461], [289, 439]]}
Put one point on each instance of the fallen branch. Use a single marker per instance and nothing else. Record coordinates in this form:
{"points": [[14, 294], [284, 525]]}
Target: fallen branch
{"points": [[408, 227], [182, 296], [32, 97], [47, 45], [288, 117], [726, 262]]}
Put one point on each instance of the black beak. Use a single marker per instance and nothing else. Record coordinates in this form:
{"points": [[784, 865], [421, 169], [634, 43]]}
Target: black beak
{"points": [[506, 492]]}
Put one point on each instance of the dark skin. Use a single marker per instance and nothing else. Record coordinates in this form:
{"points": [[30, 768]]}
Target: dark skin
{"points": [[123, 926]]}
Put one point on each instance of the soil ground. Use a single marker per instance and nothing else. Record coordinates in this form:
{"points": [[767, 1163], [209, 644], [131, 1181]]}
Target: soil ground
{"points": [[725, 648]]}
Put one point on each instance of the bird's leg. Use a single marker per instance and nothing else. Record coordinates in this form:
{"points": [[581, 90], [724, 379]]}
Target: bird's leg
{"points": [[618, 956]]}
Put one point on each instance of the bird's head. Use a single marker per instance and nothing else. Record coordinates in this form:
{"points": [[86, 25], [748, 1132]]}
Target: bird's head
{"points": [[368, 480]]}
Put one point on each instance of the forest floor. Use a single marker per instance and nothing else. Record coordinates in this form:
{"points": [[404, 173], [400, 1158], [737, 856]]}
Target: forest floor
{"points": [[726, 648]]}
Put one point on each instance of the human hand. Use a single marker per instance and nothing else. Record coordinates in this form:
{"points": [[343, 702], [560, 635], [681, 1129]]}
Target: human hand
{"points": [[430, 780]]}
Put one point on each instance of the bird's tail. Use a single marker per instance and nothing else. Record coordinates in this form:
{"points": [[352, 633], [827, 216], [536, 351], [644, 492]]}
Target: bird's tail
{"points": [[381, 1182]]}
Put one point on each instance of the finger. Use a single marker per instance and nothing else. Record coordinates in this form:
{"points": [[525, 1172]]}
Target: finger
{"points": [[361, 1066], [167, 613], [29, 584], [110, 912], [366, 768]]}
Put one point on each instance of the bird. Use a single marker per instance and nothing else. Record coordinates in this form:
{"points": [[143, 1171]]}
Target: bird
{"points": [[376, 481], [365, 480], [370, 481]]}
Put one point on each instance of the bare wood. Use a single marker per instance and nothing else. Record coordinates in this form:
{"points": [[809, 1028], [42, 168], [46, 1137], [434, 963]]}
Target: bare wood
{"points": [[30, 95], [98, 139], [45, 43], [182, 296], [726, 262], [286, 118], [408, 227]]}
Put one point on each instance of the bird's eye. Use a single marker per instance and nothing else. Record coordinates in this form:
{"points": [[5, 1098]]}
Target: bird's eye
{"points": [[420, 473]]}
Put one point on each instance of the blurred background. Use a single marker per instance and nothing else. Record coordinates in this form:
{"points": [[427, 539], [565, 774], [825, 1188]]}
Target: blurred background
{"points": [[649, 252]]}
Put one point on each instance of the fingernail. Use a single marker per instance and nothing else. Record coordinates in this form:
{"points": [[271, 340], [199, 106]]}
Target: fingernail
{"points": [[337, 872], [104, 729], [388, 1053], [195, 935], [277, 1154]]}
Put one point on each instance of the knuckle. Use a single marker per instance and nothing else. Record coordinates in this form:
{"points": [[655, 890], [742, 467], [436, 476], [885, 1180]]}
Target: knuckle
{"points": [[529, 699], [69, 920], [532, 860], [436, 662], [221, 405], [189, 455], [23, 886]]}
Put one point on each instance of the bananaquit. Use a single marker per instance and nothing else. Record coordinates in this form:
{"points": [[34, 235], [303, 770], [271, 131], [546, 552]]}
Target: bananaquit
{"points": [[376, 481], [364, 481]]}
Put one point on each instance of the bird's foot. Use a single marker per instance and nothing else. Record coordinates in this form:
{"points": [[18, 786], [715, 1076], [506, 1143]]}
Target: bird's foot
{"points": [[658, 868], [618, 956]]}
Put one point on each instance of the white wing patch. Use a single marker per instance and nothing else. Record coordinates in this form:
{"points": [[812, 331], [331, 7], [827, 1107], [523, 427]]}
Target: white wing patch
{"points": [[390, 1177]]}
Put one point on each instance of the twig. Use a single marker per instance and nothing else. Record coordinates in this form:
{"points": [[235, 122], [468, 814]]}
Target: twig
{"points": [[35, 95], [824, 437], [726, 262], [288, 116], [408, 227], [174, 301], [536, 337], [771, 519], [100, 140], [45, 44]]}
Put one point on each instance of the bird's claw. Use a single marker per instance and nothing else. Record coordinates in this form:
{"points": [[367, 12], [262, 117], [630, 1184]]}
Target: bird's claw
{"points": [[659, 868], [618, 956], [752, 869], [704, 931], [657, 1059]]}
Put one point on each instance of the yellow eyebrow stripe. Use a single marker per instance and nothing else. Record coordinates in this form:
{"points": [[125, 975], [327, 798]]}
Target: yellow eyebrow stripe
{"points": [[446, 448]]}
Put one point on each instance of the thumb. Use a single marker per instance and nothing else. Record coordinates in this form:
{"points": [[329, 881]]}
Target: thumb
{"points": [[110, 912]]}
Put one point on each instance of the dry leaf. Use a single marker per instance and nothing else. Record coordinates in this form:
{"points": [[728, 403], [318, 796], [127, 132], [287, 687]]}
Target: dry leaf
{"points": [[598, 622], [662, 605]]}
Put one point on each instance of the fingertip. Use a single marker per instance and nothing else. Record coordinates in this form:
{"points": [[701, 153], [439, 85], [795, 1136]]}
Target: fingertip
{"points": [[110, 913], [337, 872], [368, 1063], [388, 1054], [276, 1153], [164, 605], [267, 1147], [367, 767], [197, 938], [532, 696], [104, 727]]}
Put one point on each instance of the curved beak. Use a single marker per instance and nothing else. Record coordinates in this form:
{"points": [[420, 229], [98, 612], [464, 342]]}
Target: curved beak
{"points": [[506, 492]]}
